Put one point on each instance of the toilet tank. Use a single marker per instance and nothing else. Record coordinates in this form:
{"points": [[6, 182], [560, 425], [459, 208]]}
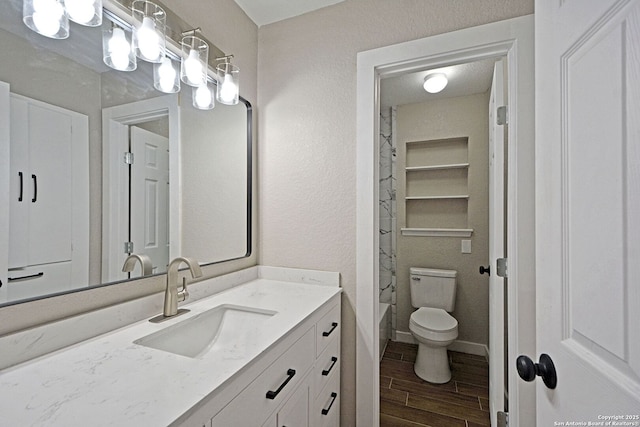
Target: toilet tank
{"points": [[433, 288]]}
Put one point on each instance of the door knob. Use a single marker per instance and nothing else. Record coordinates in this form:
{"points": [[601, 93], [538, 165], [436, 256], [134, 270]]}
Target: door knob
{"points": [[486, 269], [528, 370]]}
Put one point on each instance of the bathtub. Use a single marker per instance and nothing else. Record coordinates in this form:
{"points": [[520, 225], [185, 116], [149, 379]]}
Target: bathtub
{"points": [[385, 326]]}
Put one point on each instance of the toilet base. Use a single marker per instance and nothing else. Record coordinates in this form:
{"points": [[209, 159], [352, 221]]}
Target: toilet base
{"points": [[432, 364]]}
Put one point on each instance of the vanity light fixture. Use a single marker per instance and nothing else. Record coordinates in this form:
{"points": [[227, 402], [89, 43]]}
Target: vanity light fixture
{"points": [[195, 59], [166, 78], [46, 17], [85, 12], [434, 83], [227, 90], [149, 23], [203, 97], [117, 48]]}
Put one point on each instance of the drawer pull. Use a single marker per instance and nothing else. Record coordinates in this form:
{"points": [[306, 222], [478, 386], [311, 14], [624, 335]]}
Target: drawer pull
{"points": [[31, 276], [334, 395], [272, 394], [333, 360], [334, 325]]}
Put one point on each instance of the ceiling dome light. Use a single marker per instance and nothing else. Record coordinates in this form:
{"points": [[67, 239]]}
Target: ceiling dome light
{"points": [[434, 83]]}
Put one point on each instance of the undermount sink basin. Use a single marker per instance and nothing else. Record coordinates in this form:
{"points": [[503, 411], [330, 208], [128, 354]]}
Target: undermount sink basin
{"points": [[196, 336]]}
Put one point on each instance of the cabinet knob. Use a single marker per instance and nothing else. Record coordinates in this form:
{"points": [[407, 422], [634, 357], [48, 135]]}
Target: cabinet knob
{"points": [[486, 270]]}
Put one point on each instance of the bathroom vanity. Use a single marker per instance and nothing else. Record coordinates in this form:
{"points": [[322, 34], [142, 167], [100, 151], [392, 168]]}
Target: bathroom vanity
{"points": [[260, 347]]}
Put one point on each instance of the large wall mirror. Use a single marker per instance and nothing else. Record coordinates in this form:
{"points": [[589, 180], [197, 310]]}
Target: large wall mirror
{"points": [[79, 205]]}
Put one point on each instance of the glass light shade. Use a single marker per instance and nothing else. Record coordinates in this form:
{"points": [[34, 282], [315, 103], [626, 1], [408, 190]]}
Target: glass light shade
{"points": [[228, 89], [166, 77], [149, 23], [195, 60], [85, 12], [203, 97], [117, 49], [46, 17], [435, 83]]}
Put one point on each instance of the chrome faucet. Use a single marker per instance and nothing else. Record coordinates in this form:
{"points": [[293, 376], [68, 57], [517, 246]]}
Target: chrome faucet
{"points": [[145, 264], [172, 295]]}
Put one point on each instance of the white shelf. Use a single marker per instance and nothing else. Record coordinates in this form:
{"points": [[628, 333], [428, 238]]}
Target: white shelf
{"points": [[457, 196], [437, 232], [437, 167]]}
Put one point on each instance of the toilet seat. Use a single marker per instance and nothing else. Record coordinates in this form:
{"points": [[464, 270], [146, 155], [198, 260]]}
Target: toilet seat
{"points": [[434, 324]]}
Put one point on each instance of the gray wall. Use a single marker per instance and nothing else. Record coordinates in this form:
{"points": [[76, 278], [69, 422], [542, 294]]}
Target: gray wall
{"points": [[448, 118]]}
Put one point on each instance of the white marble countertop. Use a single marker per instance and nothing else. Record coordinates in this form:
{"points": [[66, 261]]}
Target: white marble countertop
{"points": [[108, 380]]}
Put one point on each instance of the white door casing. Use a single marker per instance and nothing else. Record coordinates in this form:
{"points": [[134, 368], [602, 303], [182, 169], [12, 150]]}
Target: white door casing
{"points": [[496, 245], [149, 210], [513, 38], [115, 177], [587, 209]]}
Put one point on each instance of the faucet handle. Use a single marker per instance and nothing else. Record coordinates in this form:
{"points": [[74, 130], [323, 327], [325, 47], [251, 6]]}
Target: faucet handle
{"points": [[183, 294]]}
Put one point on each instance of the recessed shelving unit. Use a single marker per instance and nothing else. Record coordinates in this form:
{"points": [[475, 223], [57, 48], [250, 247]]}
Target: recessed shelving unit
{"points": [[436, 188]]}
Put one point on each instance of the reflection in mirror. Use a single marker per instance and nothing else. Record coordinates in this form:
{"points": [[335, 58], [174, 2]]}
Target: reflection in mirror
{"points": [[79, 204]]}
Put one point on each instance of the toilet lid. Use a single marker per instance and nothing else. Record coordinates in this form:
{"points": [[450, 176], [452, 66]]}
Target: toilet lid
{"points": [[434, 319]]}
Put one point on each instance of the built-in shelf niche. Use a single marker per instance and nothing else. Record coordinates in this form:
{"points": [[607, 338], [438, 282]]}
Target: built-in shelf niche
{"points": [[436, 188]]}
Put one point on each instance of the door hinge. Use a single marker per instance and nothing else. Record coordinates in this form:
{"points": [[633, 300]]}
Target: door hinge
{"points": [[128, 158], [503, 419], [501, 266], [128, 247], [501, 116]]}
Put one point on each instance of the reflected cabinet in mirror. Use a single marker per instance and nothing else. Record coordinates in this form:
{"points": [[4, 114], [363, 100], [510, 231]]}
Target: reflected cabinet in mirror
{"points": [[102, 165]]}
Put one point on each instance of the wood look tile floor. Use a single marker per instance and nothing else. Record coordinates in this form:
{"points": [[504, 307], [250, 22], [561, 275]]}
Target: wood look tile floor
{"points": [[408, 401]]}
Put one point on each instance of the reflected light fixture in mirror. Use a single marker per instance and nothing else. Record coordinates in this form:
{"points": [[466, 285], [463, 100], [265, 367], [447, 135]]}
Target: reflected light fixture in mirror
{"points": [[435, 83], [166, 77], [149, 22], [117, 48], [228, 90], [203, 98], [195, 57], [46, 17], [85, 12]]}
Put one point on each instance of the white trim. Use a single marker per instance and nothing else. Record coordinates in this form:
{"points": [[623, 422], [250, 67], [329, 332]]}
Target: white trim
{"points": [[513, 38], [437, 232]]}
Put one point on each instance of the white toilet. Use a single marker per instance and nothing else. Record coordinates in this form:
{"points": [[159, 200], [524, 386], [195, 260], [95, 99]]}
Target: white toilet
{"points": [[433, 293]]}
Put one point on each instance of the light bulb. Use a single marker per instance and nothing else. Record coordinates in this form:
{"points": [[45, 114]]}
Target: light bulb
{"points": [[119, 49], [80, 11], [434, 83], [228, 89], [46, 16], [148, 40], [167, 75], [203, 97], [193, 68]]}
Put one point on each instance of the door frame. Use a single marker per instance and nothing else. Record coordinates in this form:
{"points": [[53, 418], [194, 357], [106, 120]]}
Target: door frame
{"points": [[115, 178], [512, 38]]}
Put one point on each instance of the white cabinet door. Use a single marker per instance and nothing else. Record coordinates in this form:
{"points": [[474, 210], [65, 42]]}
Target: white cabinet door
{"points": [[295, 413], [587, 209], [41, 204]]}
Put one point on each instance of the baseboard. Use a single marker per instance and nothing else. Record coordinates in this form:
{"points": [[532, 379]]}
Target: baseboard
{"points": [[458, 345]]}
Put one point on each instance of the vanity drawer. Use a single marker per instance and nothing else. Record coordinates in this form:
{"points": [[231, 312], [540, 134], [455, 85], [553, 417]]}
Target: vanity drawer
{"points": [[326, 328], [250, 407], [325, 411], [326, 365]]}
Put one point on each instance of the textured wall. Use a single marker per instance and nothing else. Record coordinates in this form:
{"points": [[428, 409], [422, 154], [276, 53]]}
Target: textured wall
{"points": [[466, 116], [307, 131]]}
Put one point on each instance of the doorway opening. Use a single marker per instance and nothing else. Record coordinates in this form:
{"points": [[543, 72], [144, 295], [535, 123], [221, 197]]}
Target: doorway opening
{"points": [[442, 207], [512, 39]]}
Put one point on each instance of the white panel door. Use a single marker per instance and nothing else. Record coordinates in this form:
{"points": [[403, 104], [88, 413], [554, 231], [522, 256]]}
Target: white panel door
{"points": [[496, 245], [587, 209], [149, 216]]}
